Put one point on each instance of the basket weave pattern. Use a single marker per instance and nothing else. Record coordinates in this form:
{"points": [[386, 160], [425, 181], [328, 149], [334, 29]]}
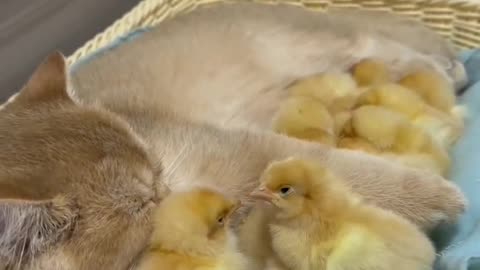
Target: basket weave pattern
{"points": [[457, 20]]}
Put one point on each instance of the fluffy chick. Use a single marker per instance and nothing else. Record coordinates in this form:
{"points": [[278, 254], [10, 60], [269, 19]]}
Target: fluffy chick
{"points": [[371, 72], [395, 97], [443, 127], [191, 232], [305, 118], [320, 224], [357, 144], [432, 87], [437, 92], [392, 132], [337, 91]]}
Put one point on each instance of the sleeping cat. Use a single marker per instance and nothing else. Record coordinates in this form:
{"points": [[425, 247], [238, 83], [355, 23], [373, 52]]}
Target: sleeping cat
{"points": [[189, 102]]}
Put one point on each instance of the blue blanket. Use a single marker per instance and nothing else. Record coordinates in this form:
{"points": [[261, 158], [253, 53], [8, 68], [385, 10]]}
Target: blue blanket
{"points": [[459, 246]]}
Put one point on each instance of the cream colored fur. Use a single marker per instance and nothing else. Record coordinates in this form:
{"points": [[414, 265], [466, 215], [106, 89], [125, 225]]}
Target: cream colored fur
{"points": [[198, 93]]}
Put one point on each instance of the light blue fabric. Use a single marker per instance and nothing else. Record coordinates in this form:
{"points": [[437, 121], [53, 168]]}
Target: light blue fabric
{"points": [[460, 245], [117, 42], [462, 251]]}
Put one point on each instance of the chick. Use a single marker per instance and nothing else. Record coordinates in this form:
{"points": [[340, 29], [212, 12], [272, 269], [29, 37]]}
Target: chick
{"points": [[305, 118], [319, 223], [347, 137], [395, 97], [392, 132], [432, 87], [371, 72], [438, 93], [341, 119], [337, 91], [377, 125], [443, 127], [357, 144], [445, 130], [191, 232]]}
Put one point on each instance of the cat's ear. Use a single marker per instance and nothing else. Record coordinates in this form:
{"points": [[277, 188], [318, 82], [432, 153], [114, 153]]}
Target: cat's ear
{"points": [[49, 82], [28, 228]]}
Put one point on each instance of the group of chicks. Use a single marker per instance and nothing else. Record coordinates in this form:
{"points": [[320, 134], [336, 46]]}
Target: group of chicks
{"points": [[414, 120], [302, 218]]}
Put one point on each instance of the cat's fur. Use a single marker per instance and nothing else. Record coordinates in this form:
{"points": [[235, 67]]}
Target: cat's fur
{"points": [[73, 178], [195, 96]]}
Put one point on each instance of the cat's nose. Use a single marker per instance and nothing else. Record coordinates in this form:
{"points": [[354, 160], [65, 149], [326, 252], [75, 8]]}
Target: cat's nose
{"points": [[148, 194], [149, 203]]}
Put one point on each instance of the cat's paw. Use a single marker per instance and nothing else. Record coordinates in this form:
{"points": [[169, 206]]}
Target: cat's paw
{"points": [[424, 198], [436, 200]]}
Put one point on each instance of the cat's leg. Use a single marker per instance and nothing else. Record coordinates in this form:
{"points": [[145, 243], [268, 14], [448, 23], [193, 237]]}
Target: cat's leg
{"points": [[423, 198], [233, 160]]}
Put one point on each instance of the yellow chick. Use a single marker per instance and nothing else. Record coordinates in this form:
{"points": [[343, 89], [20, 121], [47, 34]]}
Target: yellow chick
{"points": [[347, 138], [191, 232], [377, 125], [318, 223], [305, 118], [341, 119], [337, 91], [443, 127], [394, 97], [446, 130], [390, 131], [432, 87], [357, 144], [371, 72], [440, 94]]}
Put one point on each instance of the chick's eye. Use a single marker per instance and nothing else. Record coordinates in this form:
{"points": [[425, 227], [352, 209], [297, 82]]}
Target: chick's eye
{"points": [[285, 190], [221, 220]]}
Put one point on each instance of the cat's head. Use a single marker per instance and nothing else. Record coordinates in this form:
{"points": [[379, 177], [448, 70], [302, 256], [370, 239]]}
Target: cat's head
{"points": [[76, 185]]}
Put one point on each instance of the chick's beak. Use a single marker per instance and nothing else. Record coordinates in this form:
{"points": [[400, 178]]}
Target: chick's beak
{"points": [[262, 194]]}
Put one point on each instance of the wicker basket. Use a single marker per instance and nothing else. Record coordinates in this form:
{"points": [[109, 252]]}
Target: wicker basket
{"points": [[457, 20]]}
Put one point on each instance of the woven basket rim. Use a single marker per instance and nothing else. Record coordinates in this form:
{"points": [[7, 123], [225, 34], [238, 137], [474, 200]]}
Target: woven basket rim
{"points": [[132, 19]]}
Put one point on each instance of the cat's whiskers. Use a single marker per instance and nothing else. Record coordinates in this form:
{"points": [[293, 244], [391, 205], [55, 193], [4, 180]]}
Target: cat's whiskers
{"points": [[173, 166]]}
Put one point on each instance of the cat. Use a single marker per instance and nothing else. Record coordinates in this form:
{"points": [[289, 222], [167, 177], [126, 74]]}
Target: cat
{"points": [[71, 172], [85, 156]]}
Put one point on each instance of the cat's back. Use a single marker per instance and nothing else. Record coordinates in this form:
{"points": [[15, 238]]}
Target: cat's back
{"points": [[198, 45], [221, 57], [226, 63]]}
